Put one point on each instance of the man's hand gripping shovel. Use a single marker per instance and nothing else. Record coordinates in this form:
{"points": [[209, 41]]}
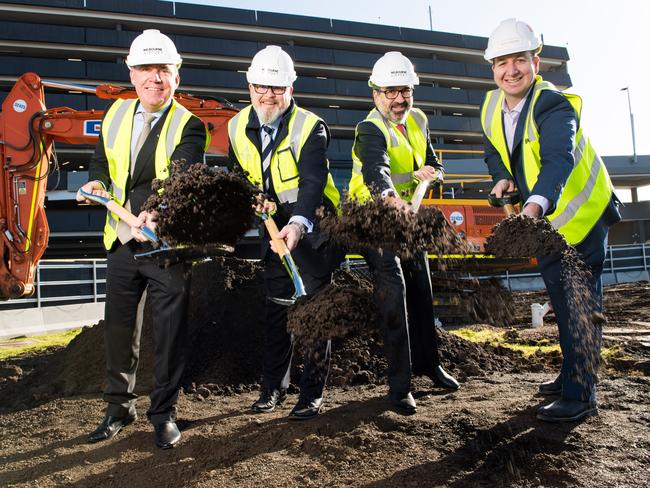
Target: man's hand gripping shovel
{"points": [[163, 254], [422, 190], [507, 201]]}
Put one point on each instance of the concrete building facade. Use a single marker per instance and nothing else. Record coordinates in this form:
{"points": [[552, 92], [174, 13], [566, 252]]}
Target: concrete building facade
{"points": [[86, 41]]}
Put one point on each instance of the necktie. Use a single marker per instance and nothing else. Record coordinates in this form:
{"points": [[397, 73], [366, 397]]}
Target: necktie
{"points": [[402, 129], [124, 230], [146, 129], [267, 149]]}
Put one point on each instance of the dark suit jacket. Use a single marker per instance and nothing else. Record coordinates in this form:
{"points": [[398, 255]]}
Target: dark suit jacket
{"points": [[312, 174], [312, 167], [558, 124], [138, 186], [370, 148]]}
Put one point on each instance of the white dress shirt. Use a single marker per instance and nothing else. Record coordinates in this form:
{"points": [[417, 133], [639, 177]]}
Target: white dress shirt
{"points": [[510, 119]]}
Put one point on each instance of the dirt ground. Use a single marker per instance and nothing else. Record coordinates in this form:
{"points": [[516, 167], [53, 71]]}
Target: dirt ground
{"points": [[485, 434]]}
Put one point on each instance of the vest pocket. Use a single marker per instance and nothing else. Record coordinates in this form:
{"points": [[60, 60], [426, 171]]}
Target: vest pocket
{"points": [[287, 164]]}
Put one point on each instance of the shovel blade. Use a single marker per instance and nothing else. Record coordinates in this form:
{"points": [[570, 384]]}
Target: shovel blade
{"points": [[292, 269], [166, 256], [286, 302]]}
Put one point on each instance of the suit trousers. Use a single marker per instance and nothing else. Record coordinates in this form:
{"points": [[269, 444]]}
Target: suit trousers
{"points": [[404, 300], [279, 343], [168, 290], [580, 347]]}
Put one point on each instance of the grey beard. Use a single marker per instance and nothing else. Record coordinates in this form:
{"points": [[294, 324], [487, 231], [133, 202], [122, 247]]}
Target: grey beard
{"points": [[275, 115]]}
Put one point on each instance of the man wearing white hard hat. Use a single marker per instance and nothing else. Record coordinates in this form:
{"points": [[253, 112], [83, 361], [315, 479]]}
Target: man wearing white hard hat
{"points": [[392, 152], [282, 148], [139, 139], [534, 143]]}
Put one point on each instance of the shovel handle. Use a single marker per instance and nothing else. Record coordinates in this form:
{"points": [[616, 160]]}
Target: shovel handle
{"points": [[273, 231], [506, 201], [121, 212], [285, 256], [419, 194]]}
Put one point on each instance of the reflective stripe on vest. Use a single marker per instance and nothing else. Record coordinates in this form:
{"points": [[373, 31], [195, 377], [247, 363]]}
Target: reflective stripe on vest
{"points": [[285, 156], [588, 188], [404, 152], [117, 129]]}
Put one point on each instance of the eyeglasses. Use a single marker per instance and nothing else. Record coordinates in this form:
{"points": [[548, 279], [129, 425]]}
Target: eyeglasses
{"points": [[392, 93], [276, 90]]}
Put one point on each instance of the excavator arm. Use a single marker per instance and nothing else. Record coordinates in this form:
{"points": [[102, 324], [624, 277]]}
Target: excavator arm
{"points": [[28, 131]]}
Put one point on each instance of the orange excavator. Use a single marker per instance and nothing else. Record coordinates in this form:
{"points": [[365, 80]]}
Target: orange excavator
{"points": [[27, 133]]}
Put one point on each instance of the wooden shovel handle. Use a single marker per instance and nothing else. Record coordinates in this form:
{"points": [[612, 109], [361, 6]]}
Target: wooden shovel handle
{"points": [[273, 231], [122, 213]]}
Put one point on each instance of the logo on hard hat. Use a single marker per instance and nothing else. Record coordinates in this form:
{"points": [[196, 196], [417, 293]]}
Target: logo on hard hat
{"points": [[398, 72], [152, 50]]}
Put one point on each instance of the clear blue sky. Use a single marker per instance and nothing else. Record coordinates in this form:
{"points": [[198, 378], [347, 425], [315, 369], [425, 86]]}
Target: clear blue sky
{"points": [[607, 43]]}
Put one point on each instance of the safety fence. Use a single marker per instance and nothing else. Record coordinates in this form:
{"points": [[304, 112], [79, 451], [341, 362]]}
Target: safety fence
{"points": [[60, 282]]}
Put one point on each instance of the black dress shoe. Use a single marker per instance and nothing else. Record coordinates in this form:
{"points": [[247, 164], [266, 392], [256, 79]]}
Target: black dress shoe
{"points": [[443, 379], [110, 426], [551, 387], [268, 399], [306, 409], [564, 410], [167, 434], [404, 403]]}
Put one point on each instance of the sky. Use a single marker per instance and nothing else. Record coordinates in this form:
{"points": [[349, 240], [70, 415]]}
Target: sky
{"points": [[607, 43]]}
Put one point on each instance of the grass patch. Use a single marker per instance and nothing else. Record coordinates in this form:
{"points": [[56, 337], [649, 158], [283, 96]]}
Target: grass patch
{"points": [[528, 350], [614, 352], [23, 345], [495, 338], [481, 335]]}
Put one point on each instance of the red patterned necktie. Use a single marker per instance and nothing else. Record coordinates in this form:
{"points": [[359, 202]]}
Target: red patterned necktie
{"points": [[402, 129]]}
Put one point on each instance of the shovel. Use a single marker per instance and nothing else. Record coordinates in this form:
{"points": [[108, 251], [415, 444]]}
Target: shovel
{"points": [[287, 260], [506, 201], [420, 192], [163, 254]]}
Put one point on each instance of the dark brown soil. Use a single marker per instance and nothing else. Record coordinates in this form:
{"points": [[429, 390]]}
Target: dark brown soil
{"points": [[379, 226], [341, 309], [201, 205], [485, 434], [519, 236]]}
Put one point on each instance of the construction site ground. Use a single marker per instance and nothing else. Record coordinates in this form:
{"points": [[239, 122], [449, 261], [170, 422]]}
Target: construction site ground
{"points": [[485, 434]]}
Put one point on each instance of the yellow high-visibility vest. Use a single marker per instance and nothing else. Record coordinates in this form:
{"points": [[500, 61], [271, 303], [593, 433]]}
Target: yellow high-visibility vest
{"points": [[405, 153], [588, 189], [285, 157], [117, 128]]}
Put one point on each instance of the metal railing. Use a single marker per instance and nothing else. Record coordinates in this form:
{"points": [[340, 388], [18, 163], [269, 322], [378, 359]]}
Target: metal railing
{"points": [[631, 259], [66, 281], [628, 259], [54, 275]]}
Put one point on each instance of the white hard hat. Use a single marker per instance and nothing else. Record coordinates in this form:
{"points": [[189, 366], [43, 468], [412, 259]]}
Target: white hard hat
{"points": [[510, 37], [272, 67], [152, 47], [393, 69]]}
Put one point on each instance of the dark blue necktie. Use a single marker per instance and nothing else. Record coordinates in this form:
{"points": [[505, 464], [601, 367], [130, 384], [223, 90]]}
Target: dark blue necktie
{"points": [[267, 149]]}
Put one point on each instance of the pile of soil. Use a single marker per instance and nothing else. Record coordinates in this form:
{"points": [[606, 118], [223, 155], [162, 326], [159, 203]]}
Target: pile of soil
{"points": [[379, 226], [226, 326], [198, 204], [485, 434], [341, 309]]}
